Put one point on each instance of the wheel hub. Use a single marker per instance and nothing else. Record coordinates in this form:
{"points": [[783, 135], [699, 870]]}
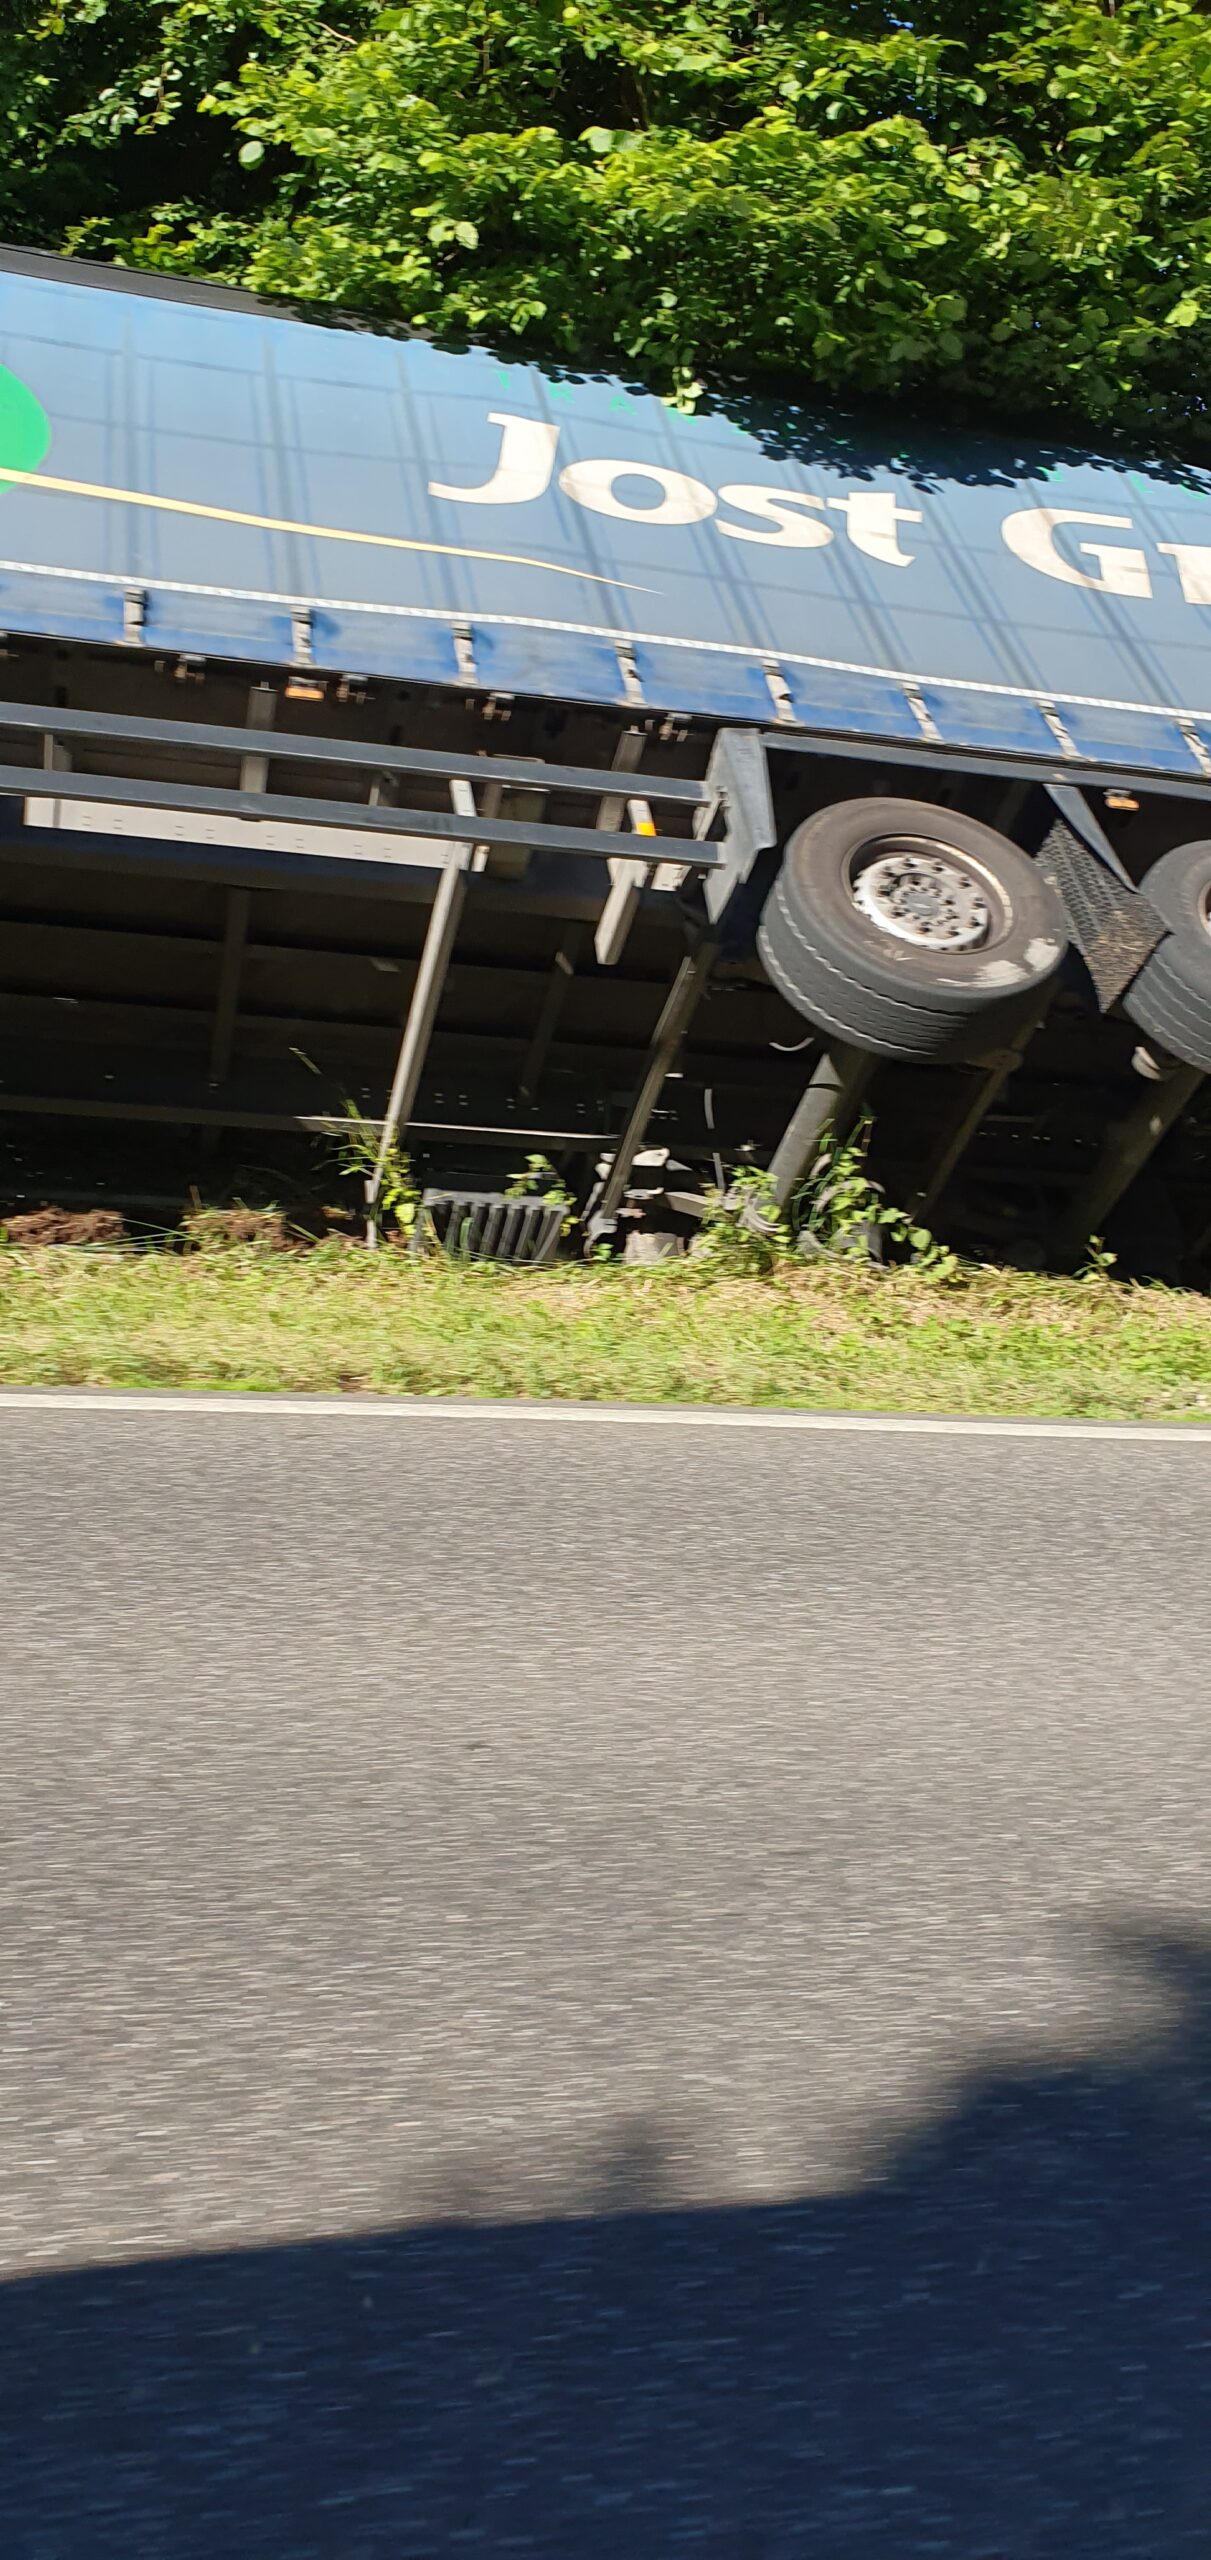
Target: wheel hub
{"points": [[924, 898]]}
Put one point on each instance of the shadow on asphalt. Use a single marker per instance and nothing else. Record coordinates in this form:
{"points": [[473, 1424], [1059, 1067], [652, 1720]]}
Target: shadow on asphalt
{"points": [[1000, 2350]]}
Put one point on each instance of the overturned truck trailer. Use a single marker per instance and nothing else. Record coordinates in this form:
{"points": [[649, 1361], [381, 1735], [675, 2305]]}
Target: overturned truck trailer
{"points": [[538, 769]]}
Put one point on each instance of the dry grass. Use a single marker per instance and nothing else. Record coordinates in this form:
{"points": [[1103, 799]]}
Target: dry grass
{"points": [[822, 1336]]}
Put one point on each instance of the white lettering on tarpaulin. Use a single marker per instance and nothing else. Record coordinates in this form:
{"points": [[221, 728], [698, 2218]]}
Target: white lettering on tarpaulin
{"points": [[872, 516], [1028, 534], [681, 500], [779, 508], [1193, 568], [526, 462], [523, 469], [793, 519]]}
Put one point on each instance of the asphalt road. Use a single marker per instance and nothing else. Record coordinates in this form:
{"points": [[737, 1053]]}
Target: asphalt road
{"points": [[601, 1989]]}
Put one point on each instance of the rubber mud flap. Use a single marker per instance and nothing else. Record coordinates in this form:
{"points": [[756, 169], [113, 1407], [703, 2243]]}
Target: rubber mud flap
{"points": [[1115, 929]]}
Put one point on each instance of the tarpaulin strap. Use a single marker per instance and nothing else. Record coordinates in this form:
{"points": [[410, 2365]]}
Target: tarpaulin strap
{"points": [[1115, 929]]}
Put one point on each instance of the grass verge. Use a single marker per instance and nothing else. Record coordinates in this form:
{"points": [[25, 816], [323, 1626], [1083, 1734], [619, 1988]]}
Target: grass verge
{"points": [[823, 1336]]}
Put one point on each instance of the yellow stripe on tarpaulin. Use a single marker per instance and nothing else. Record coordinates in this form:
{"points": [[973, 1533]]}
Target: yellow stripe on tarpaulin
{"points": [[286, 524]]}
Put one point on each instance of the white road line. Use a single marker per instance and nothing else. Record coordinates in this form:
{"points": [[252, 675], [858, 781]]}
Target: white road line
{"points": [[218, 1403]]}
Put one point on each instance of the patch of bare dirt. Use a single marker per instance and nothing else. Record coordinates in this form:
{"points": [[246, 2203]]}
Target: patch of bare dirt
{"points": [[66, 1226], [269, 1230]]}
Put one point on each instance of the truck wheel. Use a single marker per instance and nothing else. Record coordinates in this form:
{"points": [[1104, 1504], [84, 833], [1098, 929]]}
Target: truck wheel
{"points": [[1171, 997], [910, 930]]}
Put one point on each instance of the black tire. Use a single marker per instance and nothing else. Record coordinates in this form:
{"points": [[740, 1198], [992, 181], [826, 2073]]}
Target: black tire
{"points": [[1170, 999], [859, 982]]}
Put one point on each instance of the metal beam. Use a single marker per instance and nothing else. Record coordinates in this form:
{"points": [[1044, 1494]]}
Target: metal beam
{"points": [[528, 772], [978, 1092], [245, 864], [136, 790], [738, 779], [56, 759], [626, 876], [193, 1112], [254, 776], [235, 936], [829, 1106], [934, 753], [510, 800], [563, 970], [938, 757], [426, 996], [262, 709], [667, 1037], [1125, 1151]]}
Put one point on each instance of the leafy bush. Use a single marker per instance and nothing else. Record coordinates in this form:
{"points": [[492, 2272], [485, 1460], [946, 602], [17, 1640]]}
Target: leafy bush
{"points": [[839, 1212], [840, 1209], [398, 1197], [743, 1235], [537, 1179], [1007, 207]]}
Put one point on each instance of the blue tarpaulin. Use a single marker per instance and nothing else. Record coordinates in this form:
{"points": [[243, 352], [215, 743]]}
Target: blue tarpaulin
{"points": [[271, 489]]}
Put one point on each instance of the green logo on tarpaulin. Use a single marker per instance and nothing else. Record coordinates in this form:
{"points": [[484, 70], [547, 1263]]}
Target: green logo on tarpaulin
{"points": [[24, 426]]}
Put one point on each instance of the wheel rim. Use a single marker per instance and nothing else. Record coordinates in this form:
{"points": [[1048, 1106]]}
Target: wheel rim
{"points": [[920, 893], [1204, 909]]}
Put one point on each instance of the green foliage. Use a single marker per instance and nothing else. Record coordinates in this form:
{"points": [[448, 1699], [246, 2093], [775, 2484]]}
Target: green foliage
{"points": [[537, 1179], [398, 1191], [837, 1213], [1099, 1262], [826, 1335], [1008, 207], [840, 1209], [743, 1234]]}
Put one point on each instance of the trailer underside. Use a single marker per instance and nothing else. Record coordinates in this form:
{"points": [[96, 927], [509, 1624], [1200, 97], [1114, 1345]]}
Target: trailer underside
{"points": [[193, 996]]}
